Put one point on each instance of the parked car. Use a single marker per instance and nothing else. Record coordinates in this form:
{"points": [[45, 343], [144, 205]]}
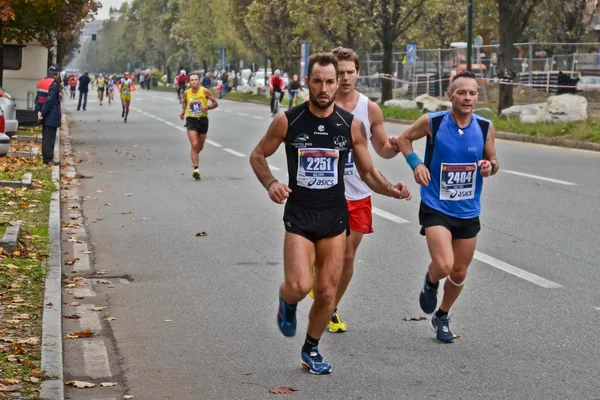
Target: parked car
{"points": [[9, 107], [4, 140], [588, 83]]}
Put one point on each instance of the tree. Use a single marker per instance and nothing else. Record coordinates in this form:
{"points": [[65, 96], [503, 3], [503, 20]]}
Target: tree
{"points": [[272, 31], [340, 23], [390, 19], [42, 20], [514, 17]]}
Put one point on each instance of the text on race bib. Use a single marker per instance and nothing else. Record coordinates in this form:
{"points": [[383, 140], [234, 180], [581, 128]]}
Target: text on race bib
{"points": [[317, 168], [195, 109], [457, 181], [349, 167]]}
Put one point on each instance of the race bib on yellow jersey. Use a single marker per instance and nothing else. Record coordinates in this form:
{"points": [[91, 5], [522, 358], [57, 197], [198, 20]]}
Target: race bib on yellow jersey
{"points": [[317, 168], [195, 109], [457, 181]]}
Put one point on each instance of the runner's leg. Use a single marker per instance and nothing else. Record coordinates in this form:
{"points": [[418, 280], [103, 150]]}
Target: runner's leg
{"points": [[464, 249], [352, 243], [329, 263], [439, 243], [298, 257]]}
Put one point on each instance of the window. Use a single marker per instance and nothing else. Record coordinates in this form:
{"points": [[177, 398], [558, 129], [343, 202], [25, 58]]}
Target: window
{"points": [[13, 55]]}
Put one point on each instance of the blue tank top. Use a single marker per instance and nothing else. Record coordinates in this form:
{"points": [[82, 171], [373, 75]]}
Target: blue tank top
{"points": [[452, 155]]}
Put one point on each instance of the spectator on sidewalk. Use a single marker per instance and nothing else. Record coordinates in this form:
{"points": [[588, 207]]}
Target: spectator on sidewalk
{"points": [[224, 81], [206, 81], [47, 105], [84, 82]]}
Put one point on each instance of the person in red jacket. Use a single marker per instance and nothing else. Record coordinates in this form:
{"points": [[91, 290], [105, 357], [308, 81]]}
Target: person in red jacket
{"points": [[72, 86], [276, 85], [182, 81]]}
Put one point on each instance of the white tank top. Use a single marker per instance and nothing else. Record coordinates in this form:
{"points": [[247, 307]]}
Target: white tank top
{"points": [[356, 189]]}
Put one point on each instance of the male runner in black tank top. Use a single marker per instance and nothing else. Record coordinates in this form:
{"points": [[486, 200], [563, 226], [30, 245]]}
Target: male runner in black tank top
{"points": [[317, 136]]}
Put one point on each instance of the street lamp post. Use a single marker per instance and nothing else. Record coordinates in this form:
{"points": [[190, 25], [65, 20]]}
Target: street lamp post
{"points": [[469, 32]]}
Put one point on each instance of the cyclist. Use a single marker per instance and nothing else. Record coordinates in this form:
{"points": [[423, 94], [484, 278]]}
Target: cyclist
{"points": [[295, 86], [182, 81], [276, 85]]}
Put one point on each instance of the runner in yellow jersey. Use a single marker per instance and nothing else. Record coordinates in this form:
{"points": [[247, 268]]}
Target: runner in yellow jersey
{"points": [[126, 86], [194, 108], [100, 84]]}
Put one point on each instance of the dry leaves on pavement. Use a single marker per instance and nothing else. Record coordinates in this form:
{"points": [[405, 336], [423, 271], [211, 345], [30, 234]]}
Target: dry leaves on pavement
{"points": [[77, 335], [80, 384]]}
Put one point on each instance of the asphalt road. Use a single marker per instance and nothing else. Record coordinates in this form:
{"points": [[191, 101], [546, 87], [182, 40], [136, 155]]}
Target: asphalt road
{"points": [[198, 320]]}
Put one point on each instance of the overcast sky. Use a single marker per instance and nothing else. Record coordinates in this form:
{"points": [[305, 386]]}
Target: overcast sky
{"points": [[106, 4]]}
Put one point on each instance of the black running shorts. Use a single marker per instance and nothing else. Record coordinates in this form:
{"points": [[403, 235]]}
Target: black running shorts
{"points": [[199, 125], [460, 228], [315, 225]]}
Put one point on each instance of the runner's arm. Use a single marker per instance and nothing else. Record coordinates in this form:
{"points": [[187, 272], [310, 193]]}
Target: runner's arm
{"points": [[266, 147], [213, 102], [403, 142], [489, 152], [183, 105], [367, 171], [379, 137]]}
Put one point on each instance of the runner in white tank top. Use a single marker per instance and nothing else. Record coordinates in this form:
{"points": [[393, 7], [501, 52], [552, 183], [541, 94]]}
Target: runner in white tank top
{"points": [[358, 195]]}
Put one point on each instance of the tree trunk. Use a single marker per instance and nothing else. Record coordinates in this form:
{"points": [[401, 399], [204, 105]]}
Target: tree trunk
{"points": [[1, 55], [388, 49], [506, 69]]}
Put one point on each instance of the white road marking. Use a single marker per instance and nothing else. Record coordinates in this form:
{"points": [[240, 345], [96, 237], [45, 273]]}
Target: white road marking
{"points": [[274, 168], [235, 153], [181, 128], [160, 119], [213, 143], [242, 114], [528, 276], [257, 117], [95, 359], [391, 217], [506, 171], [169, 123], [229, 111]]}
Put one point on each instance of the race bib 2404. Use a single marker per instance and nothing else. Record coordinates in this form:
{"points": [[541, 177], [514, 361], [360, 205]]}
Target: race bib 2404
{"points": [[457, 181], [317, 168]]}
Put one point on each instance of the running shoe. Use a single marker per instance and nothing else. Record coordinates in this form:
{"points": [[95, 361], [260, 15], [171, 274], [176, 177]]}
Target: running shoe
{"points": [[314, 363], [442, 329], [428, 297], [286, 318], [336, 325], [125, 119], [123, 114], [196, 174]]}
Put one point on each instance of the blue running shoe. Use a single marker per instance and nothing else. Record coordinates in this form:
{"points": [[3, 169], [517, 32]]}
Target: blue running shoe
{"points": [[442, 329], [428, 297], [123, 114], [286, 318], [314, 363]]}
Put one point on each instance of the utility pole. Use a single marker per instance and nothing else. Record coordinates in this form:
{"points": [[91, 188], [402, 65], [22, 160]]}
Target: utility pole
{"points": [[469, 32]]}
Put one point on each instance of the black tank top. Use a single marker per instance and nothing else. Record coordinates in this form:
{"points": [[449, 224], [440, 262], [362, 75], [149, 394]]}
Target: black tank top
{"points": [[317, 149]]}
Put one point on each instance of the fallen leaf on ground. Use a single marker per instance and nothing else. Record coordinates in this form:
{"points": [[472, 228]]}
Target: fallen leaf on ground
{"points": [[108, 384], [11, 388], [71, 261], [33, 379], [168, 320], [76, 335], [109, 319], [201, 234], [87, 252], [80, 384], [108, 204], [38, 374], [123, 226], [128, 396], [282, 390], [128, 194], [102, 272], [73, 304], [414, 319], [456, 336], [97, 308], [98, 191], [103, 282], [72, 316], [32, 341], [12, 358], [10, 381]]}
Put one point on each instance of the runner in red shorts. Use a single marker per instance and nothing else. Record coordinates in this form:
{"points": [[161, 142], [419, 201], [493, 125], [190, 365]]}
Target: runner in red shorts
{"points": [[358, 194]]}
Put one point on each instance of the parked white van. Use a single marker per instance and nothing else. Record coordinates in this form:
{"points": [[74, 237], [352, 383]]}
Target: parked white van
{"points": [[24, 66]]}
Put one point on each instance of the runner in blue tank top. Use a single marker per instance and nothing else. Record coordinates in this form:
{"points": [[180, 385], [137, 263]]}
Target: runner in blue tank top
{"points": [[460, 152]]}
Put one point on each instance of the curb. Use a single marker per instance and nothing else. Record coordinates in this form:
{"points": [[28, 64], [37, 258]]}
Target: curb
{"points": [[34, 153], [25, 182], [52, 349], [516, 137], [11, 236], [36, 138]]}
